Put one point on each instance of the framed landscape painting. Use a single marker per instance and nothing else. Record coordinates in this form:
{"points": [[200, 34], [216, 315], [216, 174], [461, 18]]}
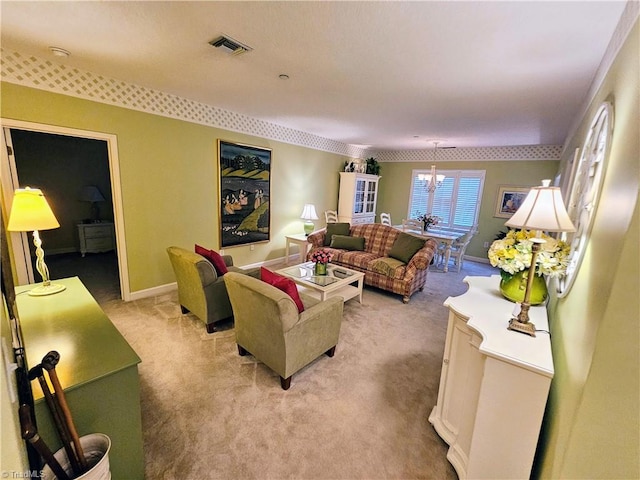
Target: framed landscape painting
{"points": [[509, 200], [245, 181]]}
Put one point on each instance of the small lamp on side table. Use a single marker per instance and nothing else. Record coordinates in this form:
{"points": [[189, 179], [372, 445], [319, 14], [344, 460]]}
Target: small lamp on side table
{"points": [[542, 210], [31, 212], [91, 193], [308, 215]]}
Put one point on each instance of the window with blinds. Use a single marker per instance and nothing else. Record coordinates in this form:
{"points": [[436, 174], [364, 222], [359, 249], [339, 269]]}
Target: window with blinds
{"points": [[456, 201]]}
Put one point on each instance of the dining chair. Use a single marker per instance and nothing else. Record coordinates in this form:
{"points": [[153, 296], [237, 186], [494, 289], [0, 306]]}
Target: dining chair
{"points": [[331, 216], [385, 219], [458, 247]]}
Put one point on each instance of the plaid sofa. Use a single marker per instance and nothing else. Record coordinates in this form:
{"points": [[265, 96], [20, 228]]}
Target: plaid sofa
{"points": [[403, 280]]}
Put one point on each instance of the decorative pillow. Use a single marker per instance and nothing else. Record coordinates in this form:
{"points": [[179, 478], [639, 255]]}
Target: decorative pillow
{"points": [[405, 247], [346, 242], [282, 283], [215, 258], [335, 229]]}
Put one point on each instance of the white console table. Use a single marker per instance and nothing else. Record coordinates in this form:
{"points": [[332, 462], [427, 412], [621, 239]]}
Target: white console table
{"points": [[494, 385]]}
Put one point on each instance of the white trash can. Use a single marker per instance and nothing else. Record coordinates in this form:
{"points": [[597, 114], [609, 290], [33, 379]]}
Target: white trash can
{"points": [[96, 448]]}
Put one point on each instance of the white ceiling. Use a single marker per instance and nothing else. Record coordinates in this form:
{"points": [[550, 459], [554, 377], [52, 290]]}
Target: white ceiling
{"points": [[390, 75]]}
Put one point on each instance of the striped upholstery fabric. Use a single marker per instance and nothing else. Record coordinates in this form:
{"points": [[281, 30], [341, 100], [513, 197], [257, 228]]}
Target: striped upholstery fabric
{"points": [[405, 279]]}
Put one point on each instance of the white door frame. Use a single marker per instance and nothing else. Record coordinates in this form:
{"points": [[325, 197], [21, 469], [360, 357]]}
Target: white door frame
{"points": [[9, 179]]}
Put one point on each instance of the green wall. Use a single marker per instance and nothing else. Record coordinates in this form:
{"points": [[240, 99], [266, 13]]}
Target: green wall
{"points": [[592, 425], [395, 199], [168, 172]]}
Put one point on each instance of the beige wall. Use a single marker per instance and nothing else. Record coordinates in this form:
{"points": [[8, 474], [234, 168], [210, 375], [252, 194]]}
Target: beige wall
{"points": [[592, 426], [396, 180]]}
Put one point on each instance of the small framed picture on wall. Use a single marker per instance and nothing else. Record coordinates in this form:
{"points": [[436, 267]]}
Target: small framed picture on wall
{"points": [[509, 200]]}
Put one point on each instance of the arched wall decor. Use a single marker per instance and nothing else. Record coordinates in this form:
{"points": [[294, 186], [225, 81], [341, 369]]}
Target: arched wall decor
{"points": [[584, 192]]}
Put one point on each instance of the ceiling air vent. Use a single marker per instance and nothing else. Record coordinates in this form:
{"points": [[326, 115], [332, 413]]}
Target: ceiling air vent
{"points": [[230, 45]]}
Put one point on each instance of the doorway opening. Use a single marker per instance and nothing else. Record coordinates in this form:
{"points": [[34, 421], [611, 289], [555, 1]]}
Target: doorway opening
{"points": [[66, 165]]}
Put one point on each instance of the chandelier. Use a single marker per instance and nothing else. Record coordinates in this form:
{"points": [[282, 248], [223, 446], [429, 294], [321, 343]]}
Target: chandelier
{"points": [[432, 180]]}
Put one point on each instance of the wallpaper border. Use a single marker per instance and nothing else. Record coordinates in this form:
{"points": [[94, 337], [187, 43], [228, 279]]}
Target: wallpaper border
{"points": [[32, 71]]}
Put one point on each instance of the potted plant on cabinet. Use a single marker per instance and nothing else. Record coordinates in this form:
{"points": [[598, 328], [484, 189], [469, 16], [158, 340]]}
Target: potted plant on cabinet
{"points": [[373, 167]]}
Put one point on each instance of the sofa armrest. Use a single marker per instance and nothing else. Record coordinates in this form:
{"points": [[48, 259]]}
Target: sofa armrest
{"points": [[316, 239], [422, 259], [228, 260]]}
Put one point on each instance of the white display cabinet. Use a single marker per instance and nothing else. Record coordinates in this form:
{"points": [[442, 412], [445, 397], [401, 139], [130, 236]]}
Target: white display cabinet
{"points": [[358, 197]]}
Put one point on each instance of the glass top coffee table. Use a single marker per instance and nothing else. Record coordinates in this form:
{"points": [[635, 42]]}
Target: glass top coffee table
{"points": [[339, 280]]}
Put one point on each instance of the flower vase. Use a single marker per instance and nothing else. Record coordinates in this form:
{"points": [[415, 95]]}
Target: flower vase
{"points": [[320, 268], [513, 287]]}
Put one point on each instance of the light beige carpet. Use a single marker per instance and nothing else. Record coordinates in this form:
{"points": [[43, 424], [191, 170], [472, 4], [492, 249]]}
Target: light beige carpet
{"points": [[208, 413]]}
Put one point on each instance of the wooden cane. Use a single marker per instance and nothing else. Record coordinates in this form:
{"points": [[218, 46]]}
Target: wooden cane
{"points": [[54, 408], [49, 362], [30, 434]]}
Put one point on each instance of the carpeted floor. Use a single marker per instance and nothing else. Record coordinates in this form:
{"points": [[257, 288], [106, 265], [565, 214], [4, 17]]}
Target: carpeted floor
{"points": [[209, 413], [97, 271]]}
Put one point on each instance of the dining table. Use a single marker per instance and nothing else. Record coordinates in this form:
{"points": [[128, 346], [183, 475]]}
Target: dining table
{"points": [[443, 236]]}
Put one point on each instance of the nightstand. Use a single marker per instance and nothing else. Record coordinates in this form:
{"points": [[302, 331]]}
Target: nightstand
{"points": [[299, 239], [96, 237]]}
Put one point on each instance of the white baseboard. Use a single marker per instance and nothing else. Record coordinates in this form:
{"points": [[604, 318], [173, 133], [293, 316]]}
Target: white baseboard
{"points": [[153, 291], [170, 287], [266, 263], [476, 259]]}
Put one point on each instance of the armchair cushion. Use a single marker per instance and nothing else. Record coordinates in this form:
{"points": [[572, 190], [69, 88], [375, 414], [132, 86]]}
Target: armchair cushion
{"points": [[282, 283], [335, 229], [405, 247], [214, 257]]}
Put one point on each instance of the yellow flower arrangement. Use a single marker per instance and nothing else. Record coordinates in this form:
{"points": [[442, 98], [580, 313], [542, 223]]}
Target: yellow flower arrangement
{"points": [[512, 254]]}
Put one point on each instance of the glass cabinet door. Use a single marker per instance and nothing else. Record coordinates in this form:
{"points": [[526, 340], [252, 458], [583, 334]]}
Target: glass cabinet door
{"points": [[371, 197], [359, 202]]}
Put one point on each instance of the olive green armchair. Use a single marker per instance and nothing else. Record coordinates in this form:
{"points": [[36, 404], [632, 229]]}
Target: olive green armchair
{"points": [[269, 327], [200, 290]]}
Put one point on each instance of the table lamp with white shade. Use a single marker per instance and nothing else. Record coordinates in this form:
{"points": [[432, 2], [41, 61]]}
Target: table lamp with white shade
{"points": [[31, 212], [308, 215], [542, 210]]}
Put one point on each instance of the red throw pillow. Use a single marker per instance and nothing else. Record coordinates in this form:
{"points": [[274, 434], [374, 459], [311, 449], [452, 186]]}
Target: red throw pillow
{"points": [[215, 258], [282, 283]]}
